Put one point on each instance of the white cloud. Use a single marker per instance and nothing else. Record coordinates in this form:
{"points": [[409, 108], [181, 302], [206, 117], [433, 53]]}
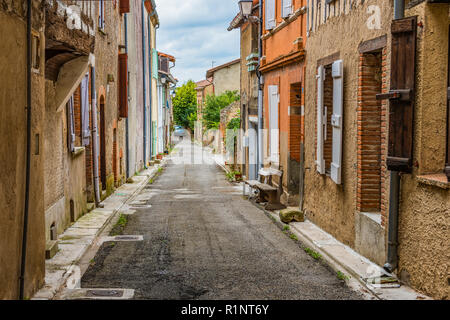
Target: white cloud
{"points": [[195, 32]]}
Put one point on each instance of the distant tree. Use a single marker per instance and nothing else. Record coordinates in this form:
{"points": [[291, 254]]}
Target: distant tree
{"points": [[213, 106], [185, 105]]}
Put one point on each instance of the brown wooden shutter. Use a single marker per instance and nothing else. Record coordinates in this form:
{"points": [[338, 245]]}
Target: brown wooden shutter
{"points": [[447, 162], [123, 85], [124, 6], [401, 111]]}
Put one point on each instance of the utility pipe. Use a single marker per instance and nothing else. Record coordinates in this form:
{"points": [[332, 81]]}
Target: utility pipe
{"points": [[95, 137], [28, 158], [260, 90], [394, 186], [127, 125], [150, 66], [144, 84]]}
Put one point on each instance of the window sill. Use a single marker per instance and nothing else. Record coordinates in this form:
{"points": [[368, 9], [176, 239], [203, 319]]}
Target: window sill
{"points": [[436, 180]]}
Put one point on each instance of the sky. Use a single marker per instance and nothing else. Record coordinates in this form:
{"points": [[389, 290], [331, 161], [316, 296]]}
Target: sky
{"points": [[195, 32]]}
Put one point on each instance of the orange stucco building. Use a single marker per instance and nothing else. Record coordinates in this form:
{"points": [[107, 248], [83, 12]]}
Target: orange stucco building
{"points": [[282, 65]]}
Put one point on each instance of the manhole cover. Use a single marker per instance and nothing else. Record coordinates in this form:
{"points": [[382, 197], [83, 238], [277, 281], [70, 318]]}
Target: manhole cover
{"points": [[127, 238], [104, 293]]}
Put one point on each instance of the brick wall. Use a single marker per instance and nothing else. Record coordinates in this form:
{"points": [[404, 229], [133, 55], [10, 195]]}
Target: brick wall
{"points": [[369, 121], [384, 108]]}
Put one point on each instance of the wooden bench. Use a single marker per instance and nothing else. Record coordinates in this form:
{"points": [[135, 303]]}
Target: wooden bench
{"points": [[267, 192]]}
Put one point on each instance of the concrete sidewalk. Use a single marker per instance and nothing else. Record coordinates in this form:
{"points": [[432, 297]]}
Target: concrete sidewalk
{"points": [[85, 233]]}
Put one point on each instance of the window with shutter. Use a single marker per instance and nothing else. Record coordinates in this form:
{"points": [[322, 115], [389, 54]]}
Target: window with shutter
{"points": [[273, 125], [447, 162], [336, 119], [123, 85], [286, 9], [401, 95], [70, 125], [320, 123], [270, 14], [85, 108]]}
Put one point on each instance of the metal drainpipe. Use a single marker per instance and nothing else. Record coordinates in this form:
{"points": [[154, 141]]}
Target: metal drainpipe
{"points": [[127, 125], [28, 158], [95, 137], [394, 186], [144, 85], [260, 90], [150, 84]]}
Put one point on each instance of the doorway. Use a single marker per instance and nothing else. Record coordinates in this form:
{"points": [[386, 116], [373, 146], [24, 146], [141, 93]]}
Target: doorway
{"points": [[252, 150]]}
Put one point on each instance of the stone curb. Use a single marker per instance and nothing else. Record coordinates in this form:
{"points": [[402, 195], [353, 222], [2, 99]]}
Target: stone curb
{"points": [[49, 293]]}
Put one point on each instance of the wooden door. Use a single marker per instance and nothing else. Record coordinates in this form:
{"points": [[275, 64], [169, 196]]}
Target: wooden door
{"points": [[447, 162], [102, 144]]}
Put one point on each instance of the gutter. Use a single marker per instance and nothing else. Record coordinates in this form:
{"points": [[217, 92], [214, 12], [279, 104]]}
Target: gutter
{"points": [[260, 90], [150, 65], [95, 137], [394, 187], [127, 125], [28, 157]]}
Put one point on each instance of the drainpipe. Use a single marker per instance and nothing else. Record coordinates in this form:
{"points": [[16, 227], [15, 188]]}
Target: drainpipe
{"points": [[28, 159], [394, 187], [260, 90], [95, 137], [144, 85], [150, 66], [127, 125]]}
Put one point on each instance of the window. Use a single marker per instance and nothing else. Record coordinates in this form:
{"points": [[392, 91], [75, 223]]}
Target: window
{"points": [[329, 120], [78, 117], [35, 55], [101, 15], [270, 14], [286, 8]]}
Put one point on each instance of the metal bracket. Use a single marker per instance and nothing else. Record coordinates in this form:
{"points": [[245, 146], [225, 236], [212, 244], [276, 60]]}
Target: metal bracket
{"points": [[402, 95]]}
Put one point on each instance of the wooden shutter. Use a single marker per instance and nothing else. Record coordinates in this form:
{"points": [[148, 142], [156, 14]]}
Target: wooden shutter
{"points": [[124, 6], [447, 162], [70, 125], [320, 125], [123, 85], [337, 119], [273, 124], [286, 9], [401, 111], [85, 119], [270, 14]]}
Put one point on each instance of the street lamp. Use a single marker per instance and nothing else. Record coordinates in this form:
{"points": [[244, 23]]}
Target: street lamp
{"points": [[246, 7]]}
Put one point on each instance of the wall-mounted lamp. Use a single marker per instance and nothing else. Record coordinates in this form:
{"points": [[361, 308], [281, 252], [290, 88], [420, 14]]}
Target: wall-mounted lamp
{"points": [[245, 6]]}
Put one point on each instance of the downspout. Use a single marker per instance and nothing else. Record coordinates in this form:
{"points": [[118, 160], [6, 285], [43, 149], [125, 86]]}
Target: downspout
{"points": [[260, 90], [28, 159], [127, 128], [394, 187], [95, 137], [144, 84], [150, 65]]}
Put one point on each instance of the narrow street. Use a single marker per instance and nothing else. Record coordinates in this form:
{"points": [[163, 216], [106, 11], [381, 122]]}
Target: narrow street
{"points": [[202, 240]]}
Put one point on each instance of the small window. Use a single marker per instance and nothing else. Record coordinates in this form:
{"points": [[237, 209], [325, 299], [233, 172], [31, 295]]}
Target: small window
{"points": [[101, 15], [35, 55]]}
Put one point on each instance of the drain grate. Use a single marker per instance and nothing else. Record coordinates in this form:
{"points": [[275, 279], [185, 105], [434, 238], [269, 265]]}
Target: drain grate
{"points": [[104, 293], [131, 238]]}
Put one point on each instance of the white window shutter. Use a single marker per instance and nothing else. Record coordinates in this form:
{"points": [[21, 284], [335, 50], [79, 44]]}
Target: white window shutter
{"points": [[85, 119], [320, 123], [337, 119], [286, 9], [273, 124], [270, 14]]}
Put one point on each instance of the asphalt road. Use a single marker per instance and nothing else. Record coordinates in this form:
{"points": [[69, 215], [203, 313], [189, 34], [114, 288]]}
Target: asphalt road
{"points": [[202, 240]]}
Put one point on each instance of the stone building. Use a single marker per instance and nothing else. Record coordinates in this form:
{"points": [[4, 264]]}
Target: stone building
{"points": [[225, 77], [13, 148], [249, 90], [203, 89], [282, 66], [376, 113]]}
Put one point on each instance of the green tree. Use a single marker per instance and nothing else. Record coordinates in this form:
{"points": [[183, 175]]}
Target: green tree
{"points": [[185, 105], [213, 106]]}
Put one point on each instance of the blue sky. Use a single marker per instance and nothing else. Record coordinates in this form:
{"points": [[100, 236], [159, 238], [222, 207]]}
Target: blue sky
{"points": [[195, 32]]}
